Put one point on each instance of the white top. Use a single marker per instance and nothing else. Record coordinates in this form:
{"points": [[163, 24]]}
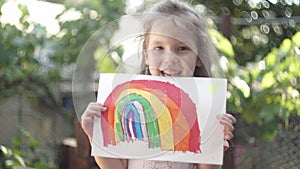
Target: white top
{"points": [[151, 164]]}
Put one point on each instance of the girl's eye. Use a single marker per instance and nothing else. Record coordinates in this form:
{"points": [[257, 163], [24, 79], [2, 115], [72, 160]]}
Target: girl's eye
{"points": [[159, 48], [183, 48]]}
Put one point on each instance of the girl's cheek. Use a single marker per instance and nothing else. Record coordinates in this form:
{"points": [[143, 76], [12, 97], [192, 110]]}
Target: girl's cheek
{"points": [[155, 55], [154, 60]]}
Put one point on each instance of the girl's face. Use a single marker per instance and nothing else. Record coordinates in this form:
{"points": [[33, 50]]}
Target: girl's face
{"points": [[170, 50]]}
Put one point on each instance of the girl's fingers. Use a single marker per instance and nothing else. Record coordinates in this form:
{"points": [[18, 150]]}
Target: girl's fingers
{"points": [[228, 135], [227, 117], [96, 106], [87, 118], [92, 110], [91, 113], [228, 121], [228, 126], [231, 117]]}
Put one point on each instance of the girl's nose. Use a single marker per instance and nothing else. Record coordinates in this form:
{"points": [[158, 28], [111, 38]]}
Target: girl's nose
{"points": [[171, 58]]}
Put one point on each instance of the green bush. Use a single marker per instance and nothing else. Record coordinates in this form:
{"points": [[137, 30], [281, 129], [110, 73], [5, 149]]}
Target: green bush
{"points": [[265, 92], [23, 153]]}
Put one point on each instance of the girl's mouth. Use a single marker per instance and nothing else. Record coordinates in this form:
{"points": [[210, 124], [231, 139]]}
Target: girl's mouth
{"points": [[168, 74], [164, 74]]}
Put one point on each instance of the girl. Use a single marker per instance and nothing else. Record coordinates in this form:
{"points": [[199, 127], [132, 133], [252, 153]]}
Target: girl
{"points": [[175, 43]]}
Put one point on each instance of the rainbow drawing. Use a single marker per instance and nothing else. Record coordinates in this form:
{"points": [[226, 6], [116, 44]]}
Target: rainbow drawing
{"points": [[156, 112]]}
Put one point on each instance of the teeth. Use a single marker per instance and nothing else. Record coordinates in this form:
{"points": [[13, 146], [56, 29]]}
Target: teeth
{"points": [[168, 73]]}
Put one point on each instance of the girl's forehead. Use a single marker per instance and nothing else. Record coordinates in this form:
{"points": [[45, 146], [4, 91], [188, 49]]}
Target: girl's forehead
{"points": [[175, 29], [170, 26]]}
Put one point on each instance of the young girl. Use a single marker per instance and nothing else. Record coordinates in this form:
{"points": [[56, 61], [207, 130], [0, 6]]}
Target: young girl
{"points": [[175, 43]]}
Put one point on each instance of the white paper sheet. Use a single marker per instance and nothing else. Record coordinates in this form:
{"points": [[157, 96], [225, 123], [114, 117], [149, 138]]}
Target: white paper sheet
{"points": [[209, 98]]}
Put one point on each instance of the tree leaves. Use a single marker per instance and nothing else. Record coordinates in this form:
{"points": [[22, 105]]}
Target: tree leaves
{"points": [[266, 92], [268, 80], [32, 62]]}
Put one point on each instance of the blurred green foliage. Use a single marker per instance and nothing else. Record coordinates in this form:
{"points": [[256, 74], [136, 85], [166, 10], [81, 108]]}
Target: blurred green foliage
{"points": [[265, 24], [21, 71], [24, 153], [264, 92], [32, 61], [263, 73]]}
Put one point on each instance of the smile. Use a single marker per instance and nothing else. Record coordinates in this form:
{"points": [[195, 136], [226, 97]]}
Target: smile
{"points": [[169, 73]]}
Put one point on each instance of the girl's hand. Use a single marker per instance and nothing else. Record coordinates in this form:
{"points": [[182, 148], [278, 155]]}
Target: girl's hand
{"points": [[227, 120], [87, 118]]}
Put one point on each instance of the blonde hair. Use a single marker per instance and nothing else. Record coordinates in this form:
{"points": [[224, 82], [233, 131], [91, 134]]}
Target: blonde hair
{"points": [[184, 11]]}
